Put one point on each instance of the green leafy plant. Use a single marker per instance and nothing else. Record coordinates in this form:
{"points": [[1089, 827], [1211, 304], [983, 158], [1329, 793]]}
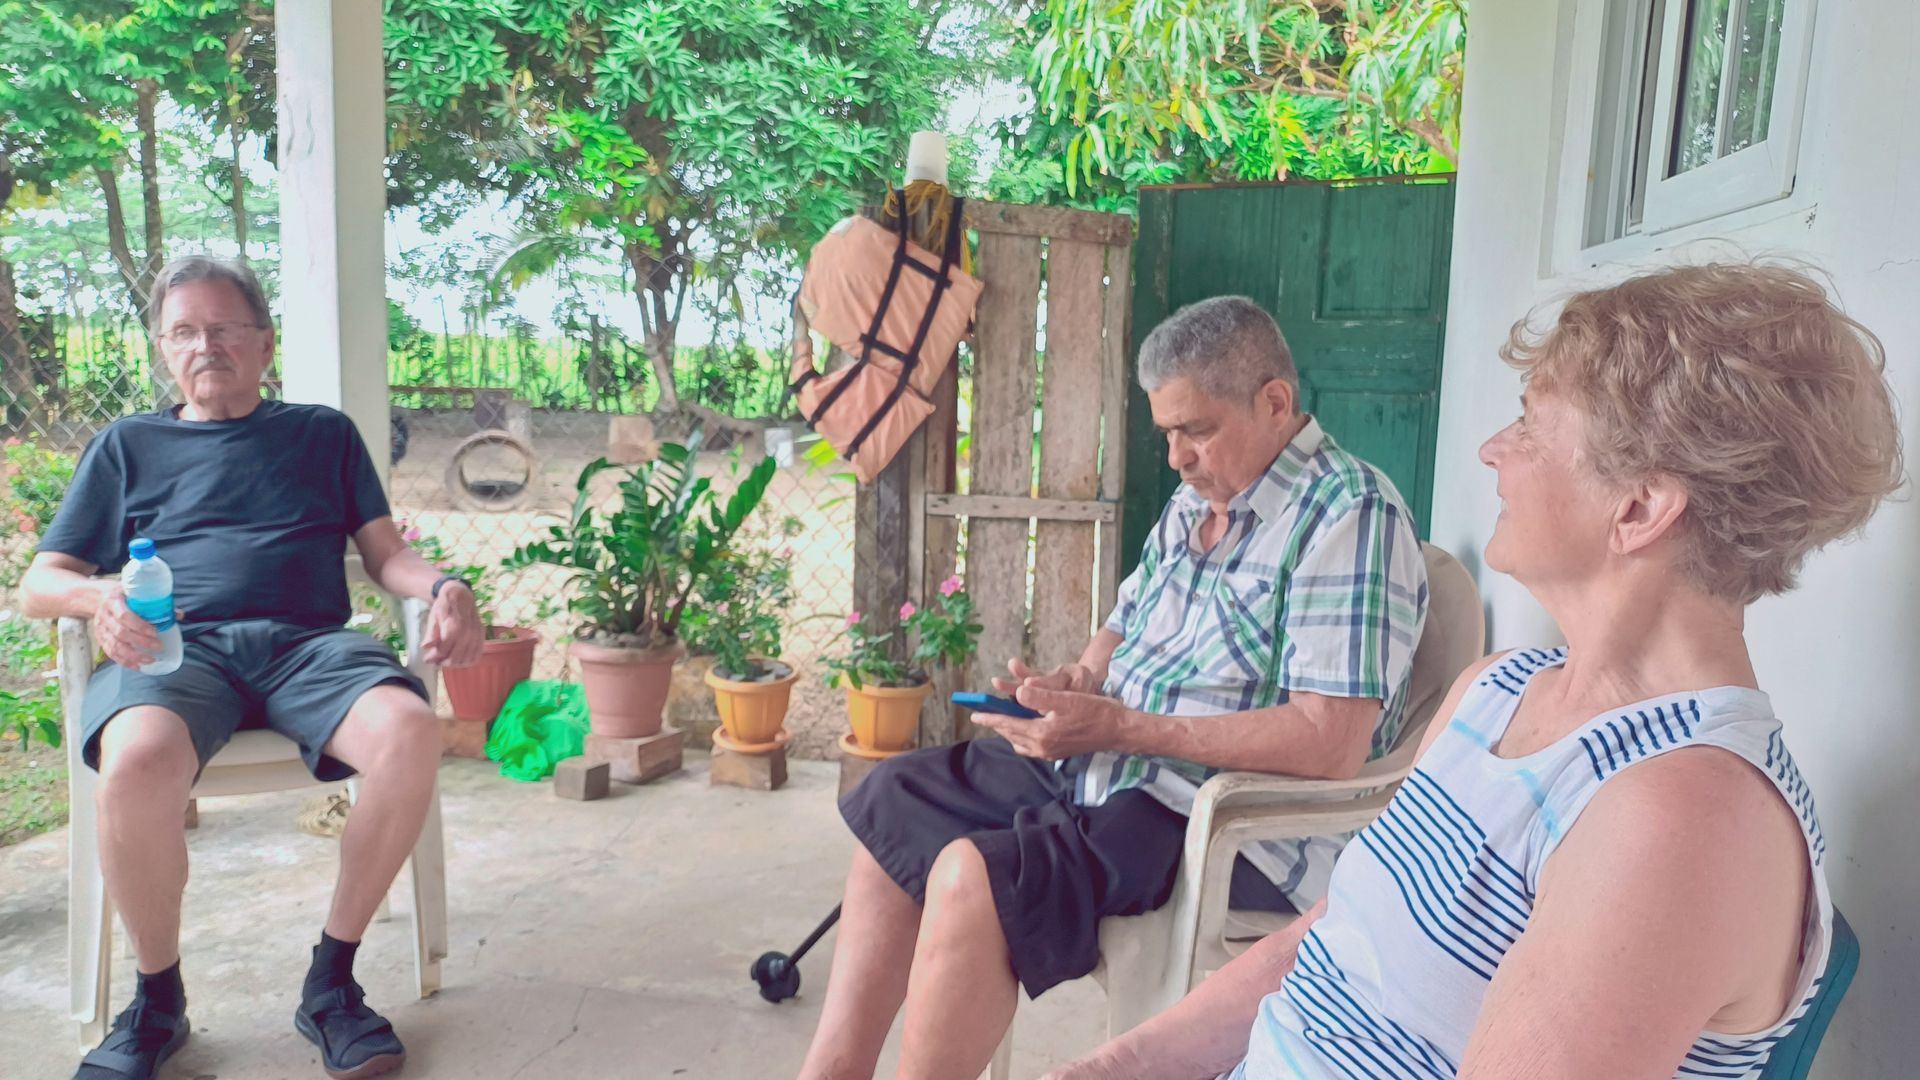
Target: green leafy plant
{"points": [[948, 630], [26, 656], [1132, 92], [634, 569], [743, 606], [946, 633], [33, 481], [868, 659]]}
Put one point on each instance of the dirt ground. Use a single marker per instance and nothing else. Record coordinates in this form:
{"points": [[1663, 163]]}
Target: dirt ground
{"points": [[564, 443]]}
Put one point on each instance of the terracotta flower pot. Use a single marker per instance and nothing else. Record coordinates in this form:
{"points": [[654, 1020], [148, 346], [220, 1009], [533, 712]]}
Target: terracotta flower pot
{"points": [[477, 691], [626, 688], [752, 712], [886, 718]]}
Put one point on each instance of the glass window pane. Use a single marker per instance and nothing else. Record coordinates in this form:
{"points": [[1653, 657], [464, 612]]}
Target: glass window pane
{"points": [[1703, 56], [1759, 46]]}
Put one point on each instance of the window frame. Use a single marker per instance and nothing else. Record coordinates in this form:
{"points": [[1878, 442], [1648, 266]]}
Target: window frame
{"points": [[1592, 179], [1748, 177]]}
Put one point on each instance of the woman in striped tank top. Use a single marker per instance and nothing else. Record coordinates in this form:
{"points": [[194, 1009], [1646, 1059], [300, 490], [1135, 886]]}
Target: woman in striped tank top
{"points": [[1605, 864]]}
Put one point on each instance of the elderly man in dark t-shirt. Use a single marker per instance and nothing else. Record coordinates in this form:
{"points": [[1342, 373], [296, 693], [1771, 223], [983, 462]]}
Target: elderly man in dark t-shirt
{"points": [[251, 503]]}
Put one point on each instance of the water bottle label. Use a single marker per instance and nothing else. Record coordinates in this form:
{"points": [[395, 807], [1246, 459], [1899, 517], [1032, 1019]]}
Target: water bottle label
{"points": [[156, 610]]}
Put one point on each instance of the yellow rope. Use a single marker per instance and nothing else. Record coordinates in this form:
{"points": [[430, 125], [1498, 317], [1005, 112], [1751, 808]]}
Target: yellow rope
{"points": [[931, 203]]}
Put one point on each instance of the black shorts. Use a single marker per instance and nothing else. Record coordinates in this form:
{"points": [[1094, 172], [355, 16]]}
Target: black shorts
{"points": [[1057, 868], [256, 673]]}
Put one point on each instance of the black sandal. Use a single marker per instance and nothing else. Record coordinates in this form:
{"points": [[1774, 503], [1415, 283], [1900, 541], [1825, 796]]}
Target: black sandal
{"points": [[142, 1038], [355, 1042]]}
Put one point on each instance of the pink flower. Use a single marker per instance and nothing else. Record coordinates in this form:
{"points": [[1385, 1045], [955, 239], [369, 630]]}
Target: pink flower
{"points": [[410, 535], [722, 609], [906, 610], [950, 586], [853, 619], [786, 552]]}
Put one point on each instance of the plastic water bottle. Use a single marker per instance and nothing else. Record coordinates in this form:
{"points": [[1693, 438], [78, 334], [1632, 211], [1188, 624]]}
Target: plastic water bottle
{"points": [[149, 585]]}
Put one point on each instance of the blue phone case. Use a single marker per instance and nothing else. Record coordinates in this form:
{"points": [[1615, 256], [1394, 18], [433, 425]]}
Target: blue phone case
{"points": [[993, 703]]}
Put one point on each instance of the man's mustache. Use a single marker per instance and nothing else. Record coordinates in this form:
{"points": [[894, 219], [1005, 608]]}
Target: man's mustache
{"points": [[209, 363]]}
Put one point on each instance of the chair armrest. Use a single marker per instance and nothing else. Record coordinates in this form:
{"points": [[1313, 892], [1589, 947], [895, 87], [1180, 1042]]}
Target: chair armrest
{"points": [[75, 665], [413, 623], [1243, 788]]}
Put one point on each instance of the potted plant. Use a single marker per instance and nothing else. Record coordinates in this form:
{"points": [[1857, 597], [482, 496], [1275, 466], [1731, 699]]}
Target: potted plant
{"points": [[739, 624], [883, 694], [634, 568]]}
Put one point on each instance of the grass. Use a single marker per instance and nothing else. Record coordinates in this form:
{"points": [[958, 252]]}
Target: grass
{"points": [[33, 791]]}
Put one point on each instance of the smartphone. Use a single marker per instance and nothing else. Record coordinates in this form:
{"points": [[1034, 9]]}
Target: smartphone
{"points": [[993, 703]]}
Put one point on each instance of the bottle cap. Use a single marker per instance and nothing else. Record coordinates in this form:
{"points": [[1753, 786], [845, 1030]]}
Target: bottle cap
{"points": [[141, 548]]}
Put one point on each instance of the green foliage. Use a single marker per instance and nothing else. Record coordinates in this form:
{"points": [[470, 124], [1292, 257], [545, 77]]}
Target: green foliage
{"points": [[683, 137], [82, 84], [26, 657], [740, 609], [33, 481], [868, 659], [1145, 91], [635, 568], [946, 633]]}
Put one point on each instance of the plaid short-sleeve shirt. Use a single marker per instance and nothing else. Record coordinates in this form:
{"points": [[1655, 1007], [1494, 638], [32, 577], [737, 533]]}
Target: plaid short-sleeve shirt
{"points": [[1317, 585]]}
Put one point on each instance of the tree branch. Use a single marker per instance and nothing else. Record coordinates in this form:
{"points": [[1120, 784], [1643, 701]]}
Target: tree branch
{"points": [[117, 238]]}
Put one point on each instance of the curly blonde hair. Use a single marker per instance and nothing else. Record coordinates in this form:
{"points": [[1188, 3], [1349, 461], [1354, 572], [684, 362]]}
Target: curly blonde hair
{"points": [[1749, 386]]}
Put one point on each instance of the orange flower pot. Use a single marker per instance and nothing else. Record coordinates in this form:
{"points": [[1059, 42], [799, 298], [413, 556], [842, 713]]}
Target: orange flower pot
{"points": [[886, 718], [477, 691], [626, 689], [752, 712]]}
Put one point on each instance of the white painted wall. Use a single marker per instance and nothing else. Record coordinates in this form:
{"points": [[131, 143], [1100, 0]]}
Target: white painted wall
{"points": [[1841, 656]]}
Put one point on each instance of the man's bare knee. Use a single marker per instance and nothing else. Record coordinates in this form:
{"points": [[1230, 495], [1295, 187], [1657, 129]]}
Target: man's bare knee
{"points": [[389, 732], [143, 751], [959, 876]]}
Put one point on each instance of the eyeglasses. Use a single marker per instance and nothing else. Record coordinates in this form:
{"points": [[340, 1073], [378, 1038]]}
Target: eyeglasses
{"points": [[218, 334]]}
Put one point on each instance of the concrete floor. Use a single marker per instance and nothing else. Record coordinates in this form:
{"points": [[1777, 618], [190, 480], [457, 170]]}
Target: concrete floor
{"points": [[604, 939]]}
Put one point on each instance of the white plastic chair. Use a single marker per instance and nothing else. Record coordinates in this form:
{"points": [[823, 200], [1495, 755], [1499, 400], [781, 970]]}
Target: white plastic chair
{"points": [[254, 762], [1149, 962]]}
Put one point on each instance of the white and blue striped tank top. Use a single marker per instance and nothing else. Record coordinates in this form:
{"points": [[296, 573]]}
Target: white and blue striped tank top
{"points": [[1427, 900]]}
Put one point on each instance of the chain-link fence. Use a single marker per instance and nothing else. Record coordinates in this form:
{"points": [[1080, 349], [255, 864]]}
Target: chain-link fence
{"points": [[482, 503], [807, 517]]}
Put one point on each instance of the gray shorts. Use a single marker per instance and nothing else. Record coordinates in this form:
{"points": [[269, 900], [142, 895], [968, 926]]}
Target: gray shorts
{"points": [[255, 673]]}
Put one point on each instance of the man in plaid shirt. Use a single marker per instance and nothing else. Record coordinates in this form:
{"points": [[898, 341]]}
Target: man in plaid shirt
{"points": [[1270, 626]]}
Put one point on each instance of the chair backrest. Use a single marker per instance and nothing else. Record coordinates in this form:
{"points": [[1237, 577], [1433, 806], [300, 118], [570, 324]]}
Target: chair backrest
{"points": [[1792, 1057], [1453, 637]]}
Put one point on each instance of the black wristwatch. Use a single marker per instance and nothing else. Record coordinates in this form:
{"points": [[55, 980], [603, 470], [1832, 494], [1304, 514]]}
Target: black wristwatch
{"points": [[444, 579]]}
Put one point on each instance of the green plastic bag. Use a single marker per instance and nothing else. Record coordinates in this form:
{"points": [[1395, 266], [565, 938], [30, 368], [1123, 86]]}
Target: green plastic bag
{"points": [[542, 724]]}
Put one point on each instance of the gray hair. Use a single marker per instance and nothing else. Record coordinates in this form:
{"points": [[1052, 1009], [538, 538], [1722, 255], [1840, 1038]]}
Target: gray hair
{"points": [[1229, 346], [191, 268]]}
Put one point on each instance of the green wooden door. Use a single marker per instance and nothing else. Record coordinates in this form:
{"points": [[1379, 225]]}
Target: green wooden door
{"points": [[1355, 274]]}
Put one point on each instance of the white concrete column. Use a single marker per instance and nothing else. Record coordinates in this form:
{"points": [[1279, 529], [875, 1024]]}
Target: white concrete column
{"points": [[332, 150]]}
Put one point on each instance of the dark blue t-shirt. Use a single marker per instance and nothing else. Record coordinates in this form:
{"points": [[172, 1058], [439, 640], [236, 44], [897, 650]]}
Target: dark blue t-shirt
{"points": [[251, 514]]}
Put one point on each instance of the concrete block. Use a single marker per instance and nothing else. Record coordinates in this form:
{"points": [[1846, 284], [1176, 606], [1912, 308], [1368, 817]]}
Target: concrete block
{"points": [[639, 761], [630, 440], [853, 770], [760, 772], [463, 738], [578, 778]]}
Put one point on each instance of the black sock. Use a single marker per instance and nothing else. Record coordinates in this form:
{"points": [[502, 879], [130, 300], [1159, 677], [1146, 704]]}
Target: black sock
{"points": [[332, 965], [163, 990]]}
